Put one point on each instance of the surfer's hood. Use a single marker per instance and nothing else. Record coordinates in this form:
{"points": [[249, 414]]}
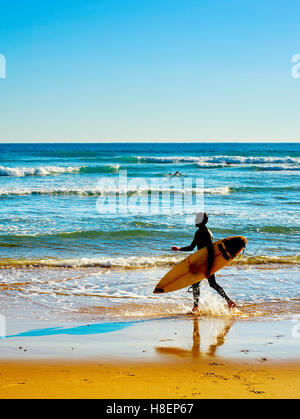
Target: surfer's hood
{"points": [[199, 217]]}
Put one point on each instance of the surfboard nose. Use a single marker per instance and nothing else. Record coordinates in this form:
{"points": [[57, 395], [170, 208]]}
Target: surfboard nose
{"points": [[235, 244], [158, 291]]}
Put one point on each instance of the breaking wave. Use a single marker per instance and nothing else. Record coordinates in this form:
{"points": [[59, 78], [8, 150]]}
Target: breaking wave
{"points": [[110, 190], [220, 159], [54, 170], [140, 262], [220, 162]]}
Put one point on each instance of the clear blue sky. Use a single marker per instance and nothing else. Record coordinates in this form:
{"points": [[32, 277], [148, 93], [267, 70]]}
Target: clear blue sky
{"points": [[141, 70]]}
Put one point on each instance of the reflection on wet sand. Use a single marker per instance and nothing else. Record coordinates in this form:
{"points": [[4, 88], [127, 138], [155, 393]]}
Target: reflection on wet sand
{"points": [[208, 335]]}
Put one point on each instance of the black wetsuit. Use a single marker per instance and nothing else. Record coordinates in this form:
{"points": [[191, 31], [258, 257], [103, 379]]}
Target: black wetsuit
{"points": [[204, 238]]}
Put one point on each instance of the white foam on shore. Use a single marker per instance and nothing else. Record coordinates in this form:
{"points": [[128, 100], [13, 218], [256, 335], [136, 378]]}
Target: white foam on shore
{"points": [[143, 262]]}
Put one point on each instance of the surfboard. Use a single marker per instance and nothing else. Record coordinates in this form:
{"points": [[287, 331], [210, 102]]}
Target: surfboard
{"points": [[193, 268]]}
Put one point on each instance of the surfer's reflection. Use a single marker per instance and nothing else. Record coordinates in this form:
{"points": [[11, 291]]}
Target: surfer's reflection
{"points": [[212, 332]]}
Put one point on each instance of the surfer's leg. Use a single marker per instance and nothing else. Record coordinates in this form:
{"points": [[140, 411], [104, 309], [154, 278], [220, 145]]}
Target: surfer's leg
{"points": [[196, 293], [217, 287], [220, 291]]}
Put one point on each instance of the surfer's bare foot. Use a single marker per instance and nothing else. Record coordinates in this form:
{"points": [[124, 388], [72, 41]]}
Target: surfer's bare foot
{"points": [[231, 304], [195, 310]]}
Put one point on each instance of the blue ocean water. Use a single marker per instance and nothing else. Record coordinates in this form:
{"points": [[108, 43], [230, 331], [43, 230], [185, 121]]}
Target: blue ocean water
{"points": [[57, 212]]}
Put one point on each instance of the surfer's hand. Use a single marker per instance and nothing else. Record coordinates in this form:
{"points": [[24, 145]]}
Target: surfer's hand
{"points": [[175, 248]]}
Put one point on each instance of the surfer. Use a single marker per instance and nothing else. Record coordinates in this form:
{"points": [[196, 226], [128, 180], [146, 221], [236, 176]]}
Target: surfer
{"points": [[177, 173], [204, 238]]}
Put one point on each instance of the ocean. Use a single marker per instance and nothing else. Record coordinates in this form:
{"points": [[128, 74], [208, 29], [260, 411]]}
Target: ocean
{"points": [[86, 229]]}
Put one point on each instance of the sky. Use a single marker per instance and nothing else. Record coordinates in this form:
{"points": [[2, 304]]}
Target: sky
{"points": [[149, 70]]}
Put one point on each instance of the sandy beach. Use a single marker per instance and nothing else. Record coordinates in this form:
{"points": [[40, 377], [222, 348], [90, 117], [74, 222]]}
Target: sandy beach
{"points": [[175, 380]]}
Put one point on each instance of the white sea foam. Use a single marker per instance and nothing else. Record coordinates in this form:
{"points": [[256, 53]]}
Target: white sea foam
{"points": [[220, 159], [141, 262], [105, 190], [105, 262], [36, 171]]}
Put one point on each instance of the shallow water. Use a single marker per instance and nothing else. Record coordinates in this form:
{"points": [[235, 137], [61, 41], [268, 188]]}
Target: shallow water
{"points": [[108, 294]]}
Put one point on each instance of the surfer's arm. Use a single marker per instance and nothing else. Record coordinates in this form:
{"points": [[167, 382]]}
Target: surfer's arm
{"points": [[187, 248], [190, 247]]}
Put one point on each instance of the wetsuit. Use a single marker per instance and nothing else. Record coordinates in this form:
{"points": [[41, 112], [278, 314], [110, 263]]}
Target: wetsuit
{"points": [[204, 238]]}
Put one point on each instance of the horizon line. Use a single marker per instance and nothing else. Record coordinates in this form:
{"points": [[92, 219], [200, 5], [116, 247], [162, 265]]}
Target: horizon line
{"points": [[287, 141]]}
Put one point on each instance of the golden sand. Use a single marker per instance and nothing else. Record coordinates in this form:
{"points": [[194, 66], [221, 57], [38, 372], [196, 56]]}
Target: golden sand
{"points": [[182, 379]]}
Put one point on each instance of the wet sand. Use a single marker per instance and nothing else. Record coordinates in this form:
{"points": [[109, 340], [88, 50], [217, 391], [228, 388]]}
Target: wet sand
{"points": [[180, 379]]}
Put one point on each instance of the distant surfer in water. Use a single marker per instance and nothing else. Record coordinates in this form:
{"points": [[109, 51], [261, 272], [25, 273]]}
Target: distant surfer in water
{"points": [[204, 238], [177, 173]]}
